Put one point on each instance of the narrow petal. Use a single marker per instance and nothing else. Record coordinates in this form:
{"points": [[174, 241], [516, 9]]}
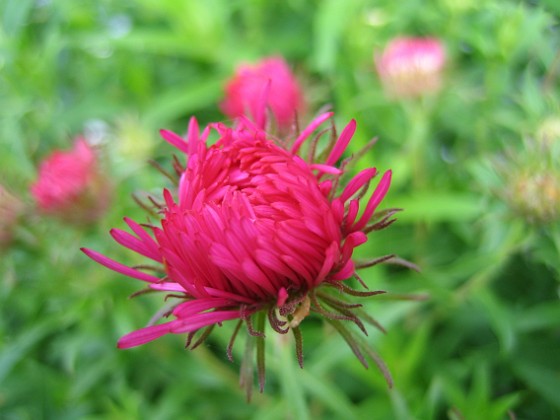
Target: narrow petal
{"points": [[168, 287], [131, 242], [196, 322], [192, 136], [144, 236], [310, 129], [374, 201], [197, 306], [145, 335], [327, 169], [342, 143], [175, 140], [345, 272], [357, 182], [118, 267]]}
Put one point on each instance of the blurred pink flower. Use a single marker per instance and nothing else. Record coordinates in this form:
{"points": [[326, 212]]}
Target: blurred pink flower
{"points": [[254, 229], [270, 83], [70, 185], [411, 67], [10, 209]]}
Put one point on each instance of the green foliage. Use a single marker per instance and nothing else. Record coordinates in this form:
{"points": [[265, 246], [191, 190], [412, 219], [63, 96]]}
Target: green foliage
{"points": [[484, 344]]}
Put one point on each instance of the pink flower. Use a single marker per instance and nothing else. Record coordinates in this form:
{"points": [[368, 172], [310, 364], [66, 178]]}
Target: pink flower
{"points": [[411, 67], [10, 209], [269, 83], [255, 229], [70, 185]]}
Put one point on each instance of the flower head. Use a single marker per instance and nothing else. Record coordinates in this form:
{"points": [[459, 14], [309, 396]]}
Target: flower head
{"points": [[411, 67], [536, 196], [532, 178], [255, 229], [70, 185], [269, 83]]}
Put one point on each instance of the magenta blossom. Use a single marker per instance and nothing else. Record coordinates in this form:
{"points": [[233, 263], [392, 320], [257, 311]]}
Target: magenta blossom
{"points": [[269, 83], [70, 185], [411, 67], [253, 229]]}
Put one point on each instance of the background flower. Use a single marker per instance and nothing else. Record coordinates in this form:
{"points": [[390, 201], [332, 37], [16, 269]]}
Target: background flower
{"points": [[411, 67], [269, 82], [70, 185]]}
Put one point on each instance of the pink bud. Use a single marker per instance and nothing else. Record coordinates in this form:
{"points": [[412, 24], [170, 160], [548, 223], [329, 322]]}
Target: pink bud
{"points": [[411, 67], [267, 84]]}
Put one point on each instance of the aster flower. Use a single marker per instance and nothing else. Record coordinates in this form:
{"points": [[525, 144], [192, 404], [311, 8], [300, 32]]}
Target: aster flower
{"points": [[257, 231], [411, 67], [267, 84], [70, 185], [532, 179]]}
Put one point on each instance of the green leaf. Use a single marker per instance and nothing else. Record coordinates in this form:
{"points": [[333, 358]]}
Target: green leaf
{"points": [[543, 380], [328, 394], [438, 207]]}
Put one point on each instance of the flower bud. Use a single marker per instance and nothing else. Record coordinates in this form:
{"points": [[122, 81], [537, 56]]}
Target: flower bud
{"points": [[411, 67], [548, 133], [270, 83], [536, 196]]}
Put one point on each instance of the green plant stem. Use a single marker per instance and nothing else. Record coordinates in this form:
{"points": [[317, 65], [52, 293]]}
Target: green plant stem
{"points": [[293, 391], [418, 118]]}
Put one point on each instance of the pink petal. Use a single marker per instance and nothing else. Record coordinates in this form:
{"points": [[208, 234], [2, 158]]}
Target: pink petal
{"points": [[131, 242], [282, 297], [196, 322], [168, 287], [175, 140], [345, 272], [310, 129], [144, 236], [357, 182], [327, 169], [118, 267], [193, 307], [374, 201], [145, 335], [342, 143]]}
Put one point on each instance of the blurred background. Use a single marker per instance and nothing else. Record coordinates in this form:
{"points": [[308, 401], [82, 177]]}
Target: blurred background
{"points": [[475, 335]]}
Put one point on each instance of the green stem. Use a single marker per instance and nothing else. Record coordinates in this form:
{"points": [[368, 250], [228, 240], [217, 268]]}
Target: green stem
{"points": [[418, 118], [293, 391]]}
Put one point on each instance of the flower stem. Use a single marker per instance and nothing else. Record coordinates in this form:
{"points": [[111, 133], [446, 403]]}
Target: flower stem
{"points": [[293, 391]]}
